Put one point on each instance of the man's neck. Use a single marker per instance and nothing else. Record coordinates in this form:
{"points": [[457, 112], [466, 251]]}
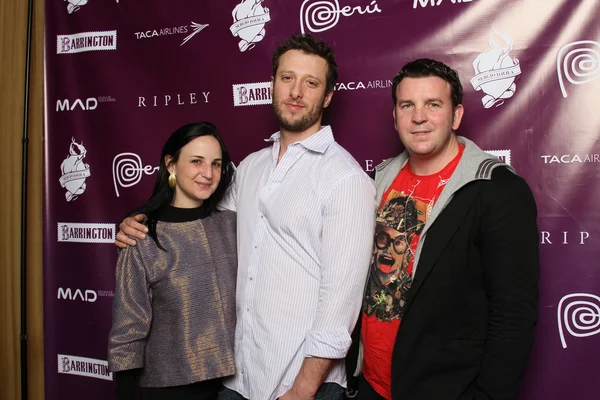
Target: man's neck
{"points": [[430, 165], [286, 138]]}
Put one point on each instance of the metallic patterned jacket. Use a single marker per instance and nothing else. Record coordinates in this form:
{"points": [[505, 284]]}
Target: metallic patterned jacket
{"points": [[174, 311]]}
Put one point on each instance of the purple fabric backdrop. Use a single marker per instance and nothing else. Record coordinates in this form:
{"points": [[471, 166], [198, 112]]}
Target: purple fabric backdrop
{"points": [[122, 75]]}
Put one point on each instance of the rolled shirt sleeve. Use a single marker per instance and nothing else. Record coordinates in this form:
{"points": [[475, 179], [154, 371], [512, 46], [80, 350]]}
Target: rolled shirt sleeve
{"points": [[347, 241]]}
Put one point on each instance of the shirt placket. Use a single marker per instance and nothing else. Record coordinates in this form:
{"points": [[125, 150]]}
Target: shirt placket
{"points": [[265, 196], [249, 358]]}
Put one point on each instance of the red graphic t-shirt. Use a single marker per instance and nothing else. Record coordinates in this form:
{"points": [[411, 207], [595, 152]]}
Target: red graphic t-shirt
{"points": [[401, 216]]}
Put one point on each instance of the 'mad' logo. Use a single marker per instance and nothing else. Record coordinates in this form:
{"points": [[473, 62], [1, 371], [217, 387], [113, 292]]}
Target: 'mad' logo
{"points": [[86, 41], [67, 294], [65, 105]]}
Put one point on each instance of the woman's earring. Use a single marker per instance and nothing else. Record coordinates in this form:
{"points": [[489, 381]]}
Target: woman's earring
{"points": [[172, 180]]}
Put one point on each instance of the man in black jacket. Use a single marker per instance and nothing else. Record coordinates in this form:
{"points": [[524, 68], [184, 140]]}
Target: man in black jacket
{"points": [[451, 300]]}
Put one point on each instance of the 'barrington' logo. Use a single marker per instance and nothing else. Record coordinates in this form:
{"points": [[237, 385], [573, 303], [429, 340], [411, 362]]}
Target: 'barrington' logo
{"points": [[86, 41], [83, 366], [252, 94], [86, 233]]}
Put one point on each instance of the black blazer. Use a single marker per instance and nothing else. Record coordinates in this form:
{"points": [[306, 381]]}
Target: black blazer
{"points": [[472, 307]]}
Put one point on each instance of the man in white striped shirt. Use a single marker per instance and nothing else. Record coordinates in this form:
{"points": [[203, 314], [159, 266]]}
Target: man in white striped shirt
{"points": [[306, 217], [305, 226]]}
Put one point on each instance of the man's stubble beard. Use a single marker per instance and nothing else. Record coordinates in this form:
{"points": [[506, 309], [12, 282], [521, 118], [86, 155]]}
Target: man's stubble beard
{"points": [[301, 124]]}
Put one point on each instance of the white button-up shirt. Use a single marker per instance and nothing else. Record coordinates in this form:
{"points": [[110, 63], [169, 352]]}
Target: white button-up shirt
{"points": [[305, 235]]}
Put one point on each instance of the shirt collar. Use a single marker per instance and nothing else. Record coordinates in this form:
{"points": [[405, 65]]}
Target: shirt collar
{"points": [[317, 142]]}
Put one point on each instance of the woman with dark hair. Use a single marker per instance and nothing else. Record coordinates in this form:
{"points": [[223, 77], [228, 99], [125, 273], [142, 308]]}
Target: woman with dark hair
{"points": [[173, 318]]}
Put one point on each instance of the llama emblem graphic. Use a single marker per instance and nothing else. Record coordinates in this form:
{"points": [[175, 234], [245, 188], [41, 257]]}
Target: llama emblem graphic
{"points": [[496, 70], [74, 171], [75, 5], [249, 19]]}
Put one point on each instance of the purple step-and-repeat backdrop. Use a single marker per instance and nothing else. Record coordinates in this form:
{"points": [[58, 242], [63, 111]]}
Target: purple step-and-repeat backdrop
{"points": [[121, 75]]}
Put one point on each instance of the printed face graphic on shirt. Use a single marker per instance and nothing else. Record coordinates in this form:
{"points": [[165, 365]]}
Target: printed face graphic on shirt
{"points": [[396, 235]]}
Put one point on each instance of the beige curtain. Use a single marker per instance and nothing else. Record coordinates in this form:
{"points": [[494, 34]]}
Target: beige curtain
{"points": [[13, 40]]}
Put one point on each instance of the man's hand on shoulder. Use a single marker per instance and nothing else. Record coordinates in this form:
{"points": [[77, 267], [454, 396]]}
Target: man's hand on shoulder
{"points": [[131, 226]]}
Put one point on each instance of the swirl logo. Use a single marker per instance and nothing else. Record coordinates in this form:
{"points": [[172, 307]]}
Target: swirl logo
{"points": [[579, 62], [579, 315], [321, 15], [128, 170]]}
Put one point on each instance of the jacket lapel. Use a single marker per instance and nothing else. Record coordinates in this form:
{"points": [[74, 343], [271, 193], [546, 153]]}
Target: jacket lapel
{"points": [[440, 233]]}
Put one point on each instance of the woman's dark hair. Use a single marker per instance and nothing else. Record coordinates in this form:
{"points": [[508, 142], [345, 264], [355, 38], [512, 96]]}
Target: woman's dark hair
{"points": [[162, 194]]}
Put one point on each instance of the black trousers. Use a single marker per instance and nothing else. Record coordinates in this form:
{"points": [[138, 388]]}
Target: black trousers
{"points": [[366, 391], [206, 390]]}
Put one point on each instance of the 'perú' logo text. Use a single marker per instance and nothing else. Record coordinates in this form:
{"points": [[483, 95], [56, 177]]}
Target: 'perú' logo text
{"points": [[496, 70], [74, 171], [249, 19], [433, 3], [67, 294], [86, 232], [167, 100], [322, 15], [128, 170], [84, 366], [194, 27], [252, 94], [579, 62], [75, 5], [86, 41], [570, 158]]}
